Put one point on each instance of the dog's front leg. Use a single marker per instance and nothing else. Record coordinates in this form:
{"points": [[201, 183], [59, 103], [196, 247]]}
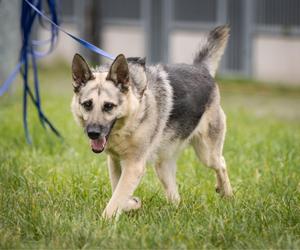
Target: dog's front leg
{"points": [[114, 168], [132, 172]]}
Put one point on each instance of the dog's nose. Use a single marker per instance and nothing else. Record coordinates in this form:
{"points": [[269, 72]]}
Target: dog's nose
{"points": [[93, 131], [93, 135]]}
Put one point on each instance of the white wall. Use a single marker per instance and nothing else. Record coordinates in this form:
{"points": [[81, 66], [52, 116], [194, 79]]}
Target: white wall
{"points": [[127, 40], [116, 39], [10, 40], [277, 59], [66, 46], [184, 45]]}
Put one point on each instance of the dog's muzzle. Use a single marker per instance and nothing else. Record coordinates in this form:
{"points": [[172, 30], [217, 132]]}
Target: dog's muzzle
{"points": [[93, 131], [99, 136]]}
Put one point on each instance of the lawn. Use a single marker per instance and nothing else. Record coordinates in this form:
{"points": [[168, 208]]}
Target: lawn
{"points": [[52, 193]]}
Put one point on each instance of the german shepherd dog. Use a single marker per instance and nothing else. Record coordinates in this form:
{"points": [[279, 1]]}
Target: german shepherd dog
{"points": [[138, 113]]}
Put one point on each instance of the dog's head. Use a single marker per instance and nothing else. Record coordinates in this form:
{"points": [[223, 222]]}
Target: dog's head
{"points": [[102, 97]]}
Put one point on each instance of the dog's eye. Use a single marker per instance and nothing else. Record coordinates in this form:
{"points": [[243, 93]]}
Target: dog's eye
{"points": [[88, 105], [108, 106]]}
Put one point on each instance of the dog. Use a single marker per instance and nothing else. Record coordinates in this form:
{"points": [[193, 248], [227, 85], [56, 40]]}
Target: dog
{"points": [[138, 113]]}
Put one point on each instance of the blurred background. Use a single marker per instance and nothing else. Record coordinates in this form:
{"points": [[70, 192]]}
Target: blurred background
{"points": [[264, 43], [52, 193]]}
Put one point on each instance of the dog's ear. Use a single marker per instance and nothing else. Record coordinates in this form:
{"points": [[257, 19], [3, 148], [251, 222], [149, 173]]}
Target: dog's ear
{"points": [[81, 72], [137, 60], [142, 61], [119, 72]]}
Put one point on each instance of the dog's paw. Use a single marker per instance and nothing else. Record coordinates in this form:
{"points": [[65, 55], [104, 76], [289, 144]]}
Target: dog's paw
{"points": [[133, 203], [174, 199], [111, 215], [224, 192], [218, 189]]}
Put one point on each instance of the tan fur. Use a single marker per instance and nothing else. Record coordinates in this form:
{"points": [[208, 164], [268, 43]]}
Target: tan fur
{"points": [[126, 148], [213, 48], [140, 133], [128, 151], [208, 141], [108, 92]]}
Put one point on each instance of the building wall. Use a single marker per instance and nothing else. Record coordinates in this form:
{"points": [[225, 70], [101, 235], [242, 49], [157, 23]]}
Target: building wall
{"points": [[183, 45], [127, 40], [116, 40], [66, 46], [271, 42], [276, 59], [10, 40]]}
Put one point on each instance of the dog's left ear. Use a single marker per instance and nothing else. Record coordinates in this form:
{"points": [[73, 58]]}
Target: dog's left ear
{"points": [[142, 61], [119, 72], [81, 72], [137, 60]]}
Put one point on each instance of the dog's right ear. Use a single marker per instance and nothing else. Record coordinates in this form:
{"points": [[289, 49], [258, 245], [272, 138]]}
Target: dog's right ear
{"points": [[119, 73], [81, 72]]}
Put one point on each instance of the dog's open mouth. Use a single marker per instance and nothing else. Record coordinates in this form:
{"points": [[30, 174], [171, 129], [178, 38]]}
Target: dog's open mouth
{"points": [[98, 145]]}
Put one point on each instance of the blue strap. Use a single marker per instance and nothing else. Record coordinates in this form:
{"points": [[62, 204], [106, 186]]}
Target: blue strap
{"points": [[4, 87], [30, 9], [80, 40]]}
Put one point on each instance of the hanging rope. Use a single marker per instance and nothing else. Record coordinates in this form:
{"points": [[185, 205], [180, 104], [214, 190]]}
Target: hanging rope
{"points": [[30, 53], [28, 16]]}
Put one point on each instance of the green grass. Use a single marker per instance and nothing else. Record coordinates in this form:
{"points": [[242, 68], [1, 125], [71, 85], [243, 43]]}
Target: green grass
{"points": [[53, 192]]}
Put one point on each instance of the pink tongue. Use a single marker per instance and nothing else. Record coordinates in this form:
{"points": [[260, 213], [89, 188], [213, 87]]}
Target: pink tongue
{"points": [[98, 144]]}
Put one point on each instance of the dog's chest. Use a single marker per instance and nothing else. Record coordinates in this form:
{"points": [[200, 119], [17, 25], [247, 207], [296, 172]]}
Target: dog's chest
{"points": [[120, 144]]}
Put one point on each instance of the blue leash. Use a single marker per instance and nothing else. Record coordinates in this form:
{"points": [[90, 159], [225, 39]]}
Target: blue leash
{"points": [[81, 41], [30, 9]]}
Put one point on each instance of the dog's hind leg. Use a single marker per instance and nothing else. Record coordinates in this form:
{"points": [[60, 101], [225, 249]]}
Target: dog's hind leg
{"points": [[166, 172], [208, 144], [114, 168]]}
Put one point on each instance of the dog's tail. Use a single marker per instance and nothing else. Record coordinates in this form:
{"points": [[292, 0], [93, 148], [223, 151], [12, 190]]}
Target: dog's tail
{"points": [[213, 48]]}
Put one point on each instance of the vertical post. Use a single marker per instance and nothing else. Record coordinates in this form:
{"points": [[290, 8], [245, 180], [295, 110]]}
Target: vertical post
{"points": [[10, 37], [168, 10], [222, 12], [222, 18], [92, 27], [155, 31], [79, 21], [248, 10], [96, 27], [157, 15], [146, 14]]}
